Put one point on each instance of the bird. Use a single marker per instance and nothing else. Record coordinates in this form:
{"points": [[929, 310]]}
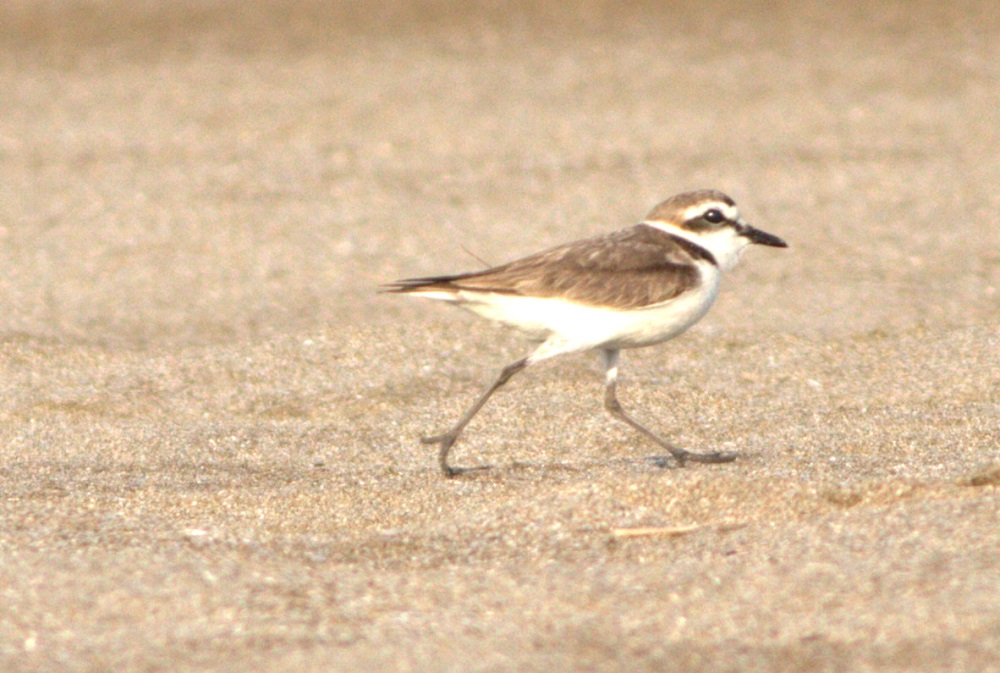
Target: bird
{"points": [[634, 287]]}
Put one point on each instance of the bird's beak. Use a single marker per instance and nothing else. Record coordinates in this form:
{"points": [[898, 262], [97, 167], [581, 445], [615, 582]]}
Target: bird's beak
{"points": [[763, 238]]}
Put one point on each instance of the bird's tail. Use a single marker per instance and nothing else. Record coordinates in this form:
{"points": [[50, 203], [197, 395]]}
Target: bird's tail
{"points": [[426, 284]]}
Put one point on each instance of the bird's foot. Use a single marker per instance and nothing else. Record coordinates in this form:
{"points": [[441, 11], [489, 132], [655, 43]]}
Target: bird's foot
{"points": [[451, 471], [445, 441], [678, 457]]}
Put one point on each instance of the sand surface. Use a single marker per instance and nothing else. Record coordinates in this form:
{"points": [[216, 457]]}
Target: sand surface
{"points": [[209, 419]]}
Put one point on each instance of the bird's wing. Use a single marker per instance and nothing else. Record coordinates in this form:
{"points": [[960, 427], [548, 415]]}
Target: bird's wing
{"points": [[631, 268]]}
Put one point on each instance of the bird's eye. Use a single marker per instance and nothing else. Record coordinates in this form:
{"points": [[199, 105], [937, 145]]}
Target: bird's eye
{"points": [[714, 216]]}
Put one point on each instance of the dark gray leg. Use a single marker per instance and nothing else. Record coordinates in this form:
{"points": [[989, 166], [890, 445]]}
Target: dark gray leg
{"points": [[612, 404], [447, 439]]}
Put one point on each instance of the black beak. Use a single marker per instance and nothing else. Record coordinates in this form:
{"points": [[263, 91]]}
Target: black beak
{"points": [[763, 238]]}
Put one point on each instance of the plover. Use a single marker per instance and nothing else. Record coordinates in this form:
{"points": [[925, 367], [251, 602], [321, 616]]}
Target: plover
{"points": [[635, 287]]}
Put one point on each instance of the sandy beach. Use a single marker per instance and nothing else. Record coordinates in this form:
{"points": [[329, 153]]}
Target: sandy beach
{"points": [[209, 418]]}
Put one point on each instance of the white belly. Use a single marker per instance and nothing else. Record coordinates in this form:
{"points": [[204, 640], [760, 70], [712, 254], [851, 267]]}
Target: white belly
{"points": [[581, 327]]}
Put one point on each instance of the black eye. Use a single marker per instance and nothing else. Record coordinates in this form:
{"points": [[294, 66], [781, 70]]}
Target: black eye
{"points": [[714, 216]]}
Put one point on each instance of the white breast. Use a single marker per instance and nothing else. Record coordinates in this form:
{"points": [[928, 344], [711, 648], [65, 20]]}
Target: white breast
{"points": [[579, 327]]}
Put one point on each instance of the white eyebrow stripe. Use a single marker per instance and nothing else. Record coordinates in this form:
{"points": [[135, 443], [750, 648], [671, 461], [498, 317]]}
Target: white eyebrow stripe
{"points": [[694, 212]]}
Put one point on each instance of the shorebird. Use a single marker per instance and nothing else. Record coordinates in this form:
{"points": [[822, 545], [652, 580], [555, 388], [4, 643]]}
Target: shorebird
{"points": [[630, 288]]}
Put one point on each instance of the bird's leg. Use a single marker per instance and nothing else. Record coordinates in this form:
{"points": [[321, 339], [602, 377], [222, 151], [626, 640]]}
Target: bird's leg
{"points": [[447, 439], [612, 404]]}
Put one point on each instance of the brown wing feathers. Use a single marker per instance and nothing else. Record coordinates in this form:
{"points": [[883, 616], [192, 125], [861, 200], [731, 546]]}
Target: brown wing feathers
{"points": [[630, 268]]}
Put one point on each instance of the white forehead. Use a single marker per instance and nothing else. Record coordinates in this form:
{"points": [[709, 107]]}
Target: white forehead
{"points": [[729, 211]]}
